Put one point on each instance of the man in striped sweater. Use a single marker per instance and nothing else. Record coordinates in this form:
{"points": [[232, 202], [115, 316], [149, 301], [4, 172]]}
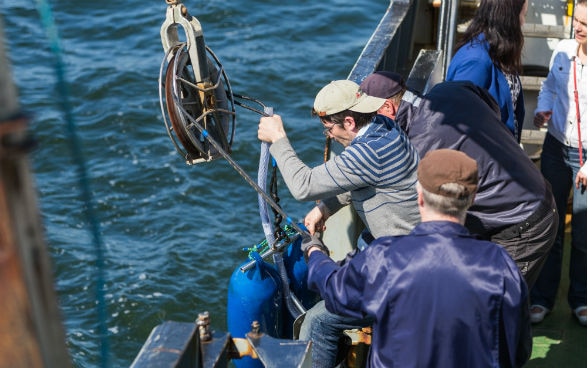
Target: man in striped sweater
{"points": [[376, 172]]}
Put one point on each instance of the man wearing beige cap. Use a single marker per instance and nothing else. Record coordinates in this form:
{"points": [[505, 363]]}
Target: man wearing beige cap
{"points": [[376, 172], [439, 296]]}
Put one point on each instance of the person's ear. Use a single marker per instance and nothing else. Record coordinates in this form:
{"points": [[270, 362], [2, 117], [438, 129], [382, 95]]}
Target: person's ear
{"points": [[349, 123], [420, 198], [388, 109], [391, 108]]}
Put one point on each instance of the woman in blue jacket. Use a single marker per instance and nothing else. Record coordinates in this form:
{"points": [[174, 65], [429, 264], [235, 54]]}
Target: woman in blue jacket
{"points": [[489, 55]]}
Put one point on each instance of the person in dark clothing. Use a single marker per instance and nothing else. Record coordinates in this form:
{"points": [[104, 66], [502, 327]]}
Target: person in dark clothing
{"points": [[514, 206], [439, 297]]}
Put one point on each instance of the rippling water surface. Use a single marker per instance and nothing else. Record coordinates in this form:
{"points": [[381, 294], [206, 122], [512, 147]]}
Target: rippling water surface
{"points": [[172, 233]]}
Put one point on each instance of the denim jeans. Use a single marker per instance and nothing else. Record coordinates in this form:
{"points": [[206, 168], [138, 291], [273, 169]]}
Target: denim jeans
{"points": [[560, 165], [325, 330]]}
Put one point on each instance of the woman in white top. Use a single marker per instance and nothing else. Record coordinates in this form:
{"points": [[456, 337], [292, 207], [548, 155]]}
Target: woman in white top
{"points": [[562, 106]]}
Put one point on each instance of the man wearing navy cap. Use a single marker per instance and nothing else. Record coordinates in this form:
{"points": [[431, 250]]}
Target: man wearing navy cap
{"points": [[439, 297], [514, 206]]}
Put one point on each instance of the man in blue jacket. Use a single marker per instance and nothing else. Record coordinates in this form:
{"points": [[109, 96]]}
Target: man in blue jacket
{"points": [[439, 296]]}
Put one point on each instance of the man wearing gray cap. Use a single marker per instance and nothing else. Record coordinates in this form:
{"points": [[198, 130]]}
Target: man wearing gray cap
{"points": [[514, 206], [376, 172], [439, 297]]}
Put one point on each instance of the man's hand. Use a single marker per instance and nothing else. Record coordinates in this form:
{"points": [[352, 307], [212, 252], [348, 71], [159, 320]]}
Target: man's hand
{"points": [[270, 128], [581, 179], [311, 244], [315, 221], [541, 118]]}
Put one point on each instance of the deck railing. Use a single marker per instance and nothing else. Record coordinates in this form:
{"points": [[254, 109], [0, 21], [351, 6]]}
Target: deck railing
{"points": [[390, 47]]}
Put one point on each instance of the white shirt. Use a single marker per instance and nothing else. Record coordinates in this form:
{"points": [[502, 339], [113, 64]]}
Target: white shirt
{"points": [[563, 125]]}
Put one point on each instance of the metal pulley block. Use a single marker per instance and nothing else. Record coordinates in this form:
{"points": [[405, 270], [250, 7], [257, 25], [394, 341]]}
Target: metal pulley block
{"points": [[196, 100]]}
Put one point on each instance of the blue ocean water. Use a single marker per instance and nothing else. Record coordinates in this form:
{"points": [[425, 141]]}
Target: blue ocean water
{"points": [[172, 233]]}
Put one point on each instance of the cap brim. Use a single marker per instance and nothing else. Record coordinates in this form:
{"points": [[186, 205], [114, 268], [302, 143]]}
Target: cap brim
{"points": [[368, 104]]}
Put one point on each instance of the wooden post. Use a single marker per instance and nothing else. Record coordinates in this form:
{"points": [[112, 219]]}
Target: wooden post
{"points": [[31, 330]]}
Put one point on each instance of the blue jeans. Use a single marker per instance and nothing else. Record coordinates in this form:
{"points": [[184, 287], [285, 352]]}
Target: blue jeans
{"points": [[325, 330], [560, 165]]}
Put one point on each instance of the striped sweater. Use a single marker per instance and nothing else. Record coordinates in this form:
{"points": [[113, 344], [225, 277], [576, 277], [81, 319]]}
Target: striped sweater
{"points": [[376, 173]]}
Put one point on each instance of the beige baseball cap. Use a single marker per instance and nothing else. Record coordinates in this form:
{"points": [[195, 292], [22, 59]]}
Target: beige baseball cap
{"points": [[341, 95]]}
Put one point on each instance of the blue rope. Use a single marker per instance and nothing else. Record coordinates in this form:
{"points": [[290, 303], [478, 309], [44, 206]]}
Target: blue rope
{"points": [[75, 146]]}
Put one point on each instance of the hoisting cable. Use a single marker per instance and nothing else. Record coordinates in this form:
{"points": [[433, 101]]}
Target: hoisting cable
{"points": [[264, 157], [75, 146], [275, 233], [248, 107]]}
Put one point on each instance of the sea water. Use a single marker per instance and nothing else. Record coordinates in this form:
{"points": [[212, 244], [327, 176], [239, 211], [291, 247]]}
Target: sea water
{"points": [[172, 234]]}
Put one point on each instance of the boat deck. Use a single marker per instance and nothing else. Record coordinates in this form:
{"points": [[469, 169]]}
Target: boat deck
{"points": [[559, 341]]}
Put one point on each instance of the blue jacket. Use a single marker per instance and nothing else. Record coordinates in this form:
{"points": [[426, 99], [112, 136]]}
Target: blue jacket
{"points": [[472, 62], [439, 297]]}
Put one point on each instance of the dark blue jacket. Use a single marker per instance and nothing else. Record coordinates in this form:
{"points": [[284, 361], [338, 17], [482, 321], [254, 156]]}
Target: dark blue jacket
{"points": [[439, 297], [464, 117]]}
